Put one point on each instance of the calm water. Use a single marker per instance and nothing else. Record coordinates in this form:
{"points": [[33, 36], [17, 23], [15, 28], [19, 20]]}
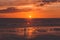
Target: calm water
{"points": [[30, 33], [26, 29]]}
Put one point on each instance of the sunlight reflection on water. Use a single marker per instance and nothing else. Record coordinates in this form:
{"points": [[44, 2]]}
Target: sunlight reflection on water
{"points": [[31, 32]]}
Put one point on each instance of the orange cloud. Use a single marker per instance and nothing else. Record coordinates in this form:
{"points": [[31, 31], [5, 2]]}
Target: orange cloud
{"points": [[47, 11]]}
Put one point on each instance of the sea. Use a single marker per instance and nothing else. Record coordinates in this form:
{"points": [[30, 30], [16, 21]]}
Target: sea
{"points": [[29, 29]]}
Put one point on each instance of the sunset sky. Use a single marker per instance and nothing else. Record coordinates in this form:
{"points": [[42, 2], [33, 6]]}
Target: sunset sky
{"points": [[27, 8]]}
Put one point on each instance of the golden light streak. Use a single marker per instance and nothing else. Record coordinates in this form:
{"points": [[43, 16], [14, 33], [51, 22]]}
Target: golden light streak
{"points": [[29, 32]]}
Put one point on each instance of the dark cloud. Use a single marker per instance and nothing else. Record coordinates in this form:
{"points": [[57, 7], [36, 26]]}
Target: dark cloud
{"points": [[14, 10], [22, 2], [9, 10], [43, 2], [49, 0]]}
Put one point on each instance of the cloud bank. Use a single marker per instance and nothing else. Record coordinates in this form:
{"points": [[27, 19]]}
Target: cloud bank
{"points": [[13, 10], [22, 2]]}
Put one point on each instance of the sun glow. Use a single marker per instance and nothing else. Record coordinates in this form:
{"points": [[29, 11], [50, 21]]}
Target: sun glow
{"points": [[30, 16]]}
